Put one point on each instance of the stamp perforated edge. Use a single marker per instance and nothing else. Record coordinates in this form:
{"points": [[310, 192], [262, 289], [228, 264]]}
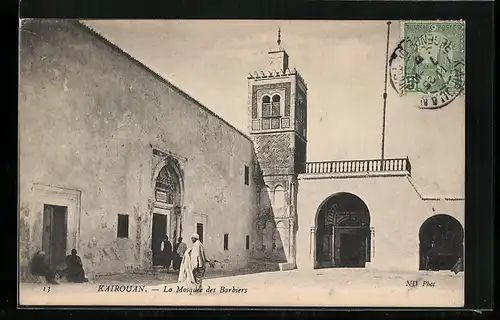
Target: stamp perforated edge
{"points": [[463, 39]]}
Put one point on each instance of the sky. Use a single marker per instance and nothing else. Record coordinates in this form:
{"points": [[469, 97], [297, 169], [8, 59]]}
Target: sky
{"points": [[343, 64]]}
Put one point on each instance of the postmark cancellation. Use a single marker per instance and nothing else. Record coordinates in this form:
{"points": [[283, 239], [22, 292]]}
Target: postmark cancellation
{"points": [[429, 61]]}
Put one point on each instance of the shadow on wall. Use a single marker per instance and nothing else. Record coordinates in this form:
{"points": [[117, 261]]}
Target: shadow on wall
{"points": [[24, 242], [269, 244]]}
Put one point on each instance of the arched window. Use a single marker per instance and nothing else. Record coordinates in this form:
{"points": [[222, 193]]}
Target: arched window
{"points": [[276, 106], [301, 109], [441, 243], [279, 197], [167, 186], [271, 108], [266, 106]]}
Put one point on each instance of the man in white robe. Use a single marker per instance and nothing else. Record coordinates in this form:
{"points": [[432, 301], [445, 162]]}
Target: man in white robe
{"points": [[193, 264]]}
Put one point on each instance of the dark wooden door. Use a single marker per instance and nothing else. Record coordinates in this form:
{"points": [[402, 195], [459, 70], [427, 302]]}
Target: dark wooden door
{"points": [[55, 234], [199, 231], [159, 230], [350, 247]]}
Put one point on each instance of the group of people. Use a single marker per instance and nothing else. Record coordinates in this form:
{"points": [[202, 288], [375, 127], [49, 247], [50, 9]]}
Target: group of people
{"points": [[191, 263], [432, 253], [73, 271], [171, 256]]}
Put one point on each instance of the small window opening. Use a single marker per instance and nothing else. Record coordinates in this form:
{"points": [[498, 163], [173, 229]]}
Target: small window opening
{"points": [[226, 241], [247, 175], [122, 226]]}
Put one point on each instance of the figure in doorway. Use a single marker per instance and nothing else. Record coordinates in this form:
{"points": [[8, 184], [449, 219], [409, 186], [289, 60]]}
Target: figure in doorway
{"points": [[74, 268], [429, 256], [459, 266], [166, 253], [179, 250], [193, 264], [40, 267]]}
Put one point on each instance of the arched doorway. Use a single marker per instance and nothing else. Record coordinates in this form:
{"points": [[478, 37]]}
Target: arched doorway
{"points": [[166, 217], [441, 243], [343, 232]]}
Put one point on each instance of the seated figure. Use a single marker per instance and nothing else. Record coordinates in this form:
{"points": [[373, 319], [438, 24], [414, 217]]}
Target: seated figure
{"points": [[74, 268], [40, 267]]}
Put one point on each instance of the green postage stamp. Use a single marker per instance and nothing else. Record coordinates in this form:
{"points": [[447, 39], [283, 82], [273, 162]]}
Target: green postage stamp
{"points": [[433, 60]]}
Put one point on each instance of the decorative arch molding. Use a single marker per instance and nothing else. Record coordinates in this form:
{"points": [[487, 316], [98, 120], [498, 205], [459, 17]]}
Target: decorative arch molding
{"points": [[273, 184], [360, 207], [444, 221], [173, 163], [165, 213], [279, 196], [276, 97], [282, 224], [259, 90], [342, 215]]}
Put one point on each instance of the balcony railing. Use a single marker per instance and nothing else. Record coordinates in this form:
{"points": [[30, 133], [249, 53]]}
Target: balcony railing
{"points": [[359, 166]]}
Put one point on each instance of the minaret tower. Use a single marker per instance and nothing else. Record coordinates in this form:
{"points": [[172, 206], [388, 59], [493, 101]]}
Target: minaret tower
{"points": [[278, 127]]}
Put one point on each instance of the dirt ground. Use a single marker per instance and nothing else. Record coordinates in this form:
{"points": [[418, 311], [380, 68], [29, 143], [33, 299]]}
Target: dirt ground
{"points": [[324, 287], [162, 277]]}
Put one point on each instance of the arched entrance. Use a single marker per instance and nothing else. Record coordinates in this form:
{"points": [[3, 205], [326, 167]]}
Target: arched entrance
{"points": [[441, 243], [343, 232], [166, 212]]}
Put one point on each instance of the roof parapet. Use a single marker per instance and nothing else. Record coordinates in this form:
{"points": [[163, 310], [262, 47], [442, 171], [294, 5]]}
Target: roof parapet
{"points": [[272, 74]]}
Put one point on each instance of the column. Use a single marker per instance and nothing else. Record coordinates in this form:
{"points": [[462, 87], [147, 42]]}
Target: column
{"points": [[312, 246], [291, 241], [333, 246], [372, 247], [292, 214]]}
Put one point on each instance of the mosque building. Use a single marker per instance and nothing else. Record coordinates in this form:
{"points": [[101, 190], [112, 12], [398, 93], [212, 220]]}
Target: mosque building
{"points": [[113, 157]]}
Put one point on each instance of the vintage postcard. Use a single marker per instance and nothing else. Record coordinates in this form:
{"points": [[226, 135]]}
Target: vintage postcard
{"points": [[241, 163]]}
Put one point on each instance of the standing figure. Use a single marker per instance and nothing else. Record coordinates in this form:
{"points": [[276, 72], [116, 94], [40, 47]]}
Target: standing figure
{"points": [[179, 250], [175, 256], [429, 257], [193, 264], [166, 253], [459, 266], [74, 268]]}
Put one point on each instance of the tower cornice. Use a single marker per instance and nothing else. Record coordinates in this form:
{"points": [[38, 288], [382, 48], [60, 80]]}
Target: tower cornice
{"points": [[276, 74]]}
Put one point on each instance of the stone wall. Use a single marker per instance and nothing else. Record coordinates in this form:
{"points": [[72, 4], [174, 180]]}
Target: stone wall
{"points": [[396, 213], [89, 117]]}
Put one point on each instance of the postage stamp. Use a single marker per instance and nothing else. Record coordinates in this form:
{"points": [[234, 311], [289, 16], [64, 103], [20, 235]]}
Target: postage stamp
{"points": [[275, 191], [431, 61]]}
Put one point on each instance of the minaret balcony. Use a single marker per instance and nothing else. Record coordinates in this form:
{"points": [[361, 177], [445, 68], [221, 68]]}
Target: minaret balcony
{"points": [[270, 124], [353, 168]]}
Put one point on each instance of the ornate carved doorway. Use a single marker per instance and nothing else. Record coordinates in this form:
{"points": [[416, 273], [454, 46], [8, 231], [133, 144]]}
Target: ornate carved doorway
{"points": [[343, 232], [166, 212]]}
